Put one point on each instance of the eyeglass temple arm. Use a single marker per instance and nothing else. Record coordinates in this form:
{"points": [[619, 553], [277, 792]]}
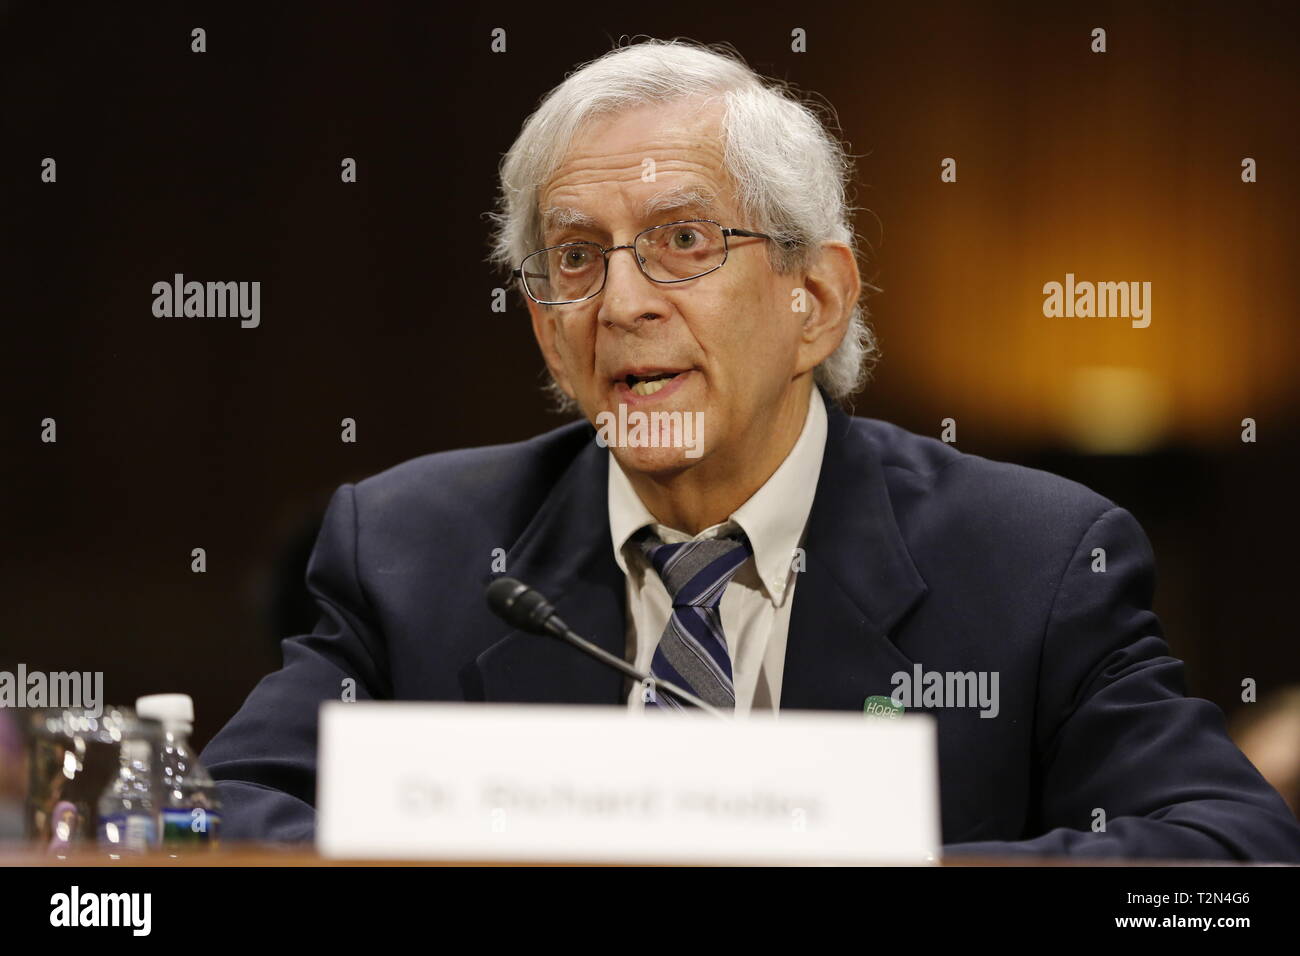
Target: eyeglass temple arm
{"points": [[758, 235]]}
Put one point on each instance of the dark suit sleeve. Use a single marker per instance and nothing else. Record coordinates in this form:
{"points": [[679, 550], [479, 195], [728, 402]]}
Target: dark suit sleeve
{"points": [[264, 759], [1116, 732]]}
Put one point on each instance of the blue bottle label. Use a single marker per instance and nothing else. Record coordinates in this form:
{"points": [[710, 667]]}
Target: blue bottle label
{"points": [[194, 826]]}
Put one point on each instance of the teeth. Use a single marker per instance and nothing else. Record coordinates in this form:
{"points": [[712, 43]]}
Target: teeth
{"points": [[649, 388]]}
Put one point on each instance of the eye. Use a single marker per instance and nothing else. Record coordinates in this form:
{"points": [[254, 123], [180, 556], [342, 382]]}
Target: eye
{"points": [[685, 238], [576, 258]]}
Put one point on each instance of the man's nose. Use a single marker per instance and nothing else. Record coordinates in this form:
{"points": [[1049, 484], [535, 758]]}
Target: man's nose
{"points": [[629, 296]]}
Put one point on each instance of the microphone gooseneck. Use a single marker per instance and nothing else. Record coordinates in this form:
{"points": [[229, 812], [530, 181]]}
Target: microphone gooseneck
{"points": [[525, 609]]}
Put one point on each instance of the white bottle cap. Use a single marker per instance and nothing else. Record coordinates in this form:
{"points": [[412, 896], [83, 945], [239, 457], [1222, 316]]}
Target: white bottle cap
{"points": [[174, 711]]}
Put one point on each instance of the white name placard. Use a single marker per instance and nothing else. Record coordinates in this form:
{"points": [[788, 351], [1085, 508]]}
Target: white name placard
{"points": [[603, 784]]}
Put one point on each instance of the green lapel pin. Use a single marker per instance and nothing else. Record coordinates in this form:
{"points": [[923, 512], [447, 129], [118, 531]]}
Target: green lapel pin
{"points": [[882, 707]]}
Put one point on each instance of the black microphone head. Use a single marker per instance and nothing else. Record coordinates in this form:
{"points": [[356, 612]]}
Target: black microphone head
{"points": [[519, 605]]}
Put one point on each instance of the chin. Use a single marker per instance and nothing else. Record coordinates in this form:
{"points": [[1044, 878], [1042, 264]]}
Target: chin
{"points": [[655, 462]]}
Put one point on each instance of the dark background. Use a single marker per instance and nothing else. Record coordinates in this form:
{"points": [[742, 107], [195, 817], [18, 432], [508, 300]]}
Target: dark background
{"points": [[181, 433]]}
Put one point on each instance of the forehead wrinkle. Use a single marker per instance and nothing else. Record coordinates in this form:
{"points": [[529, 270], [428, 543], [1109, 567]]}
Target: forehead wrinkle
{"points": [[680, 197], [583, 167], [700, 198]]}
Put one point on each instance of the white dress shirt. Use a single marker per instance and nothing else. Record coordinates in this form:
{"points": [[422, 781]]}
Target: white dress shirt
{"points": [[756, 605]]}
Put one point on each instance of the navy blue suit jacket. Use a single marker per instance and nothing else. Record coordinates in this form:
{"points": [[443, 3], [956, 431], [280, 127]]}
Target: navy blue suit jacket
{"points": [[916, 554]]}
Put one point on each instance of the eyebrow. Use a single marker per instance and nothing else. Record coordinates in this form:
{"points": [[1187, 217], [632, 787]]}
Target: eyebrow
{"points": [[679, 197], [670, 200]]}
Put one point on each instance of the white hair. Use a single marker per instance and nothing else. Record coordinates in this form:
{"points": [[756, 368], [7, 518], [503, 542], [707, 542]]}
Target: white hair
{"points": [[791, 175]]}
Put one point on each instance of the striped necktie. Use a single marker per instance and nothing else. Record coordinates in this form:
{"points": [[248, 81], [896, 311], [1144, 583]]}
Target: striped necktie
{"points": [[692, 653]]}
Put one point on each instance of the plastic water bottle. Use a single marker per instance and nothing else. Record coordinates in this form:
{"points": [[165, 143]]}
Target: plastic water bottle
{"points": [[128, 807], [190, 808]]}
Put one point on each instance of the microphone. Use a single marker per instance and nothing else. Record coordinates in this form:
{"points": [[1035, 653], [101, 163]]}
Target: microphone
{"points": [[525, 609]]}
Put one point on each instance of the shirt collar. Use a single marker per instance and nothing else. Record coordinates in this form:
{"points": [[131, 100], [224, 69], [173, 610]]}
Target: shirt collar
{"points": [[773, 518]]}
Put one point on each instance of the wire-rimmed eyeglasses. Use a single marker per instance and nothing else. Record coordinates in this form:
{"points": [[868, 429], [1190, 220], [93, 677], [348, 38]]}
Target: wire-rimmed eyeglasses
{"points": [[674, 252]]}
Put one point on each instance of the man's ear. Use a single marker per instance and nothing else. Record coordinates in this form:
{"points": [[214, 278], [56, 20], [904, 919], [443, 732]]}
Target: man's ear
{"points": [[544, 319], [832, 287]]}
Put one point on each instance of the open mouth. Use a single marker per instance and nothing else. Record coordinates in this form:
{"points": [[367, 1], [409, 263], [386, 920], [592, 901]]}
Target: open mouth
{"points": [[649, 383]]}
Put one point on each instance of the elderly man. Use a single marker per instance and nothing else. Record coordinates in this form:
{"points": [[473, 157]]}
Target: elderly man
{"points": [[679, 231]]}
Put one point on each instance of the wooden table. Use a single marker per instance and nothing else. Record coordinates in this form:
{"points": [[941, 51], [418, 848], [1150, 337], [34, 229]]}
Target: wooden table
{"points": [[270, 856]]}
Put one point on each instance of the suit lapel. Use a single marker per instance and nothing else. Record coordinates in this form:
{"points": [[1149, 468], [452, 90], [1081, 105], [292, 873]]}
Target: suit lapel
{"points": [[566, 554], [858, 583]]}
